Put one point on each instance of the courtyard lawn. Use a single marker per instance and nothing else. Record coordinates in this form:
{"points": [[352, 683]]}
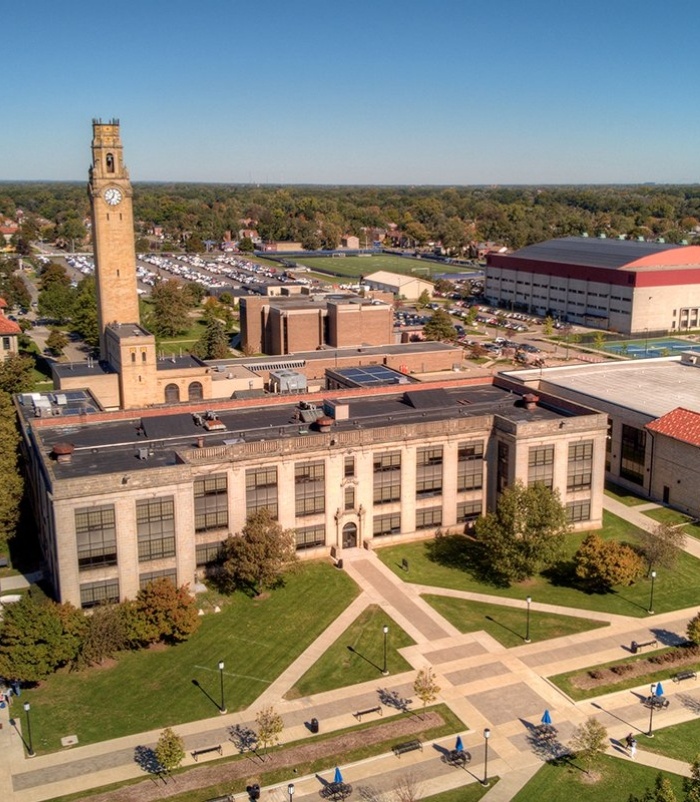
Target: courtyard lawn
{"points": [[668, 516], [681, 741], [562, 782], [356, 266], [357, 655], [507, 625], [256, 638], [624, 496], [673, 590]]}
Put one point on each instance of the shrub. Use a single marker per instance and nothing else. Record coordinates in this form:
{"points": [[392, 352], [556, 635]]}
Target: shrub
{"points": [[604, 563]]}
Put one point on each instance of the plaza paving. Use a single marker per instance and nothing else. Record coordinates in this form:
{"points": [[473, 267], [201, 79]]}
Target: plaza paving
{"points": [[483, 683]]}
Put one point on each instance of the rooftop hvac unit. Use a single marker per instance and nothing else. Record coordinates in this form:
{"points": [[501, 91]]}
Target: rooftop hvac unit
{"points": [[142, 453]]}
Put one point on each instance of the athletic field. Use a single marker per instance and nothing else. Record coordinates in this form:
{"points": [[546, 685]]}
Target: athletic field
{"points": [[355, 266]]}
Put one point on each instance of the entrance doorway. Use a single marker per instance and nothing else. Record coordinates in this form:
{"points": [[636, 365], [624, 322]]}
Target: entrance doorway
{"points": [[667, 494], [350, 536]]}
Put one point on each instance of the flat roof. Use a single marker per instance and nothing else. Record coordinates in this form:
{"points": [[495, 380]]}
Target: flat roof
{"points": [[112, 445], [651, 387]]}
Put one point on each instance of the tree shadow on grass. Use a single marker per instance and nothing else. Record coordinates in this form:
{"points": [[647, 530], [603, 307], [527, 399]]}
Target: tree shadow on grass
{"points": [[464, 553]]}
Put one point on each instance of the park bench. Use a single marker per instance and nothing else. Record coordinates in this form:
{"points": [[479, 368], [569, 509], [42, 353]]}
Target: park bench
{"points": [[407, 746], [681, 675], [197, 752], [378, 709], [637, 647]]}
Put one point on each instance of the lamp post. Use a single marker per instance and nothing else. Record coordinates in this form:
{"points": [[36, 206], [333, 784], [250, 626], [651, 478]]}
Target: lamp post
{"points": [[385, 670], [527, 628], [651, 594], [487, 735], [651, 710], [30, 750], [290, 791], [222, 709]]}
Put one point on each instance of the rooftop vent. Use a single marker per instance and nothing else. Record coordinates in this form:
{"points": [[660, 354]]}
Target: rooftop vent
{"points": [[63, 452], [530, 400]]}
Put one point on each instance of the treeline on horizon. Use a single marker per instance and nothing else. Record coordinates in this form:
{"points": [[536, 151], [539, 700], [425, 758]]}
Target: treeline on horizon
{"points": [[318, 215]]}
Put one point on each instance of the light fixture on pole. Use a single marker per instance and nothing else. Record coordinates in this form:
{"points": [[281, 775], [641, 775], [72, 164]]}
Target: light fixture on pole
{"points": [[651, 595], [222, 708], [290, 791], [527, 628], [487, 735], [651, 710], [30, 746], [385, 670]]}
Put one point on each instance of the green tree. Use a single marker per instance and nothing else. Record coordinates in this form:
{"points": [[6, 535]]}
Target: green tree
{"points": [[604, 563], [661, 792], [12, 484], [599, 340], [425, 687], [57, 301], [663, 545], [691, 785], [589, 741], [38, 636], [246, 245], [257, 557], [439, 327], [547, 326], [56, 341], [525, 534], [85, 312], [17, 374], [693, 630], [162, 612], [270, 726], [213, 344], [105, 635], [424, 299], [171, 304], [170, 750]]}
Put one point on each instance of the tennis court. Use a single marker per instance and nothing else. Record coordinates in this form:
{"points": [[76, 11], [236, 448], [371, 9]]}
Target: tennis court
{"points": [[649, 349]]}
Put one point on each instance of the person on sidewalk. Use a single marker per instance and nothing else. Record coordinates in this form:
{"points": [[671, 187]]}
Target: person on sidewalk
{"points": [[633, 748]]}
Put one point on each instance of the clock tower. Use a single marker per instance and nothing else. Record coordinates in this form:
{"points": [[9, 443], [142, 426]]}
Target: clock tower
{"points": [[111, 202]]}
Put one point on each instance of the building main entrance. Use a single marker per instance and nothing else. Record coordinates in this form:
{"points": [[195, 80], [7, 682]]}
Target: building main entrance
{"points": [[350, 536]]}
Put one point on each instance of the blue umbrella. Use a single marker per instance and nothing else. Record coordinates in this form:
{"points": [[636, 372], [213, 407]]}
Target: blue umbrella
{"points": [[338, 778], [459, 746], [546, 718], [659, 689]]}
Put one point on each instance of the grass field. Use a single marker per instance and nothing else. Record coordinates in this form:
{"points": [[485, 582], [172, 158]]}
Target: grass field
{"points": [[564, 782], [356, 266], [673, 589], [507, 624], [256, 638], [673, 517], [357, 655], [622, 495]]}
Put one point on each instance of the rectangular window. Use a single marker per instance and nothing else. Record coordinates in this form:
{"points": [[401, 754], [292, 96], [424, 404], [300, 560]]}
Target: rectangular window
{"points": [[502, 466], [308, 537], [387, 477], [96, 536], [168, 573], [349, 467], [428, 472], [155, 528], [207, 552], [428, 517], [211, 503], [634, 444], [541, 465], [383, 525], [6, 343], [261, 490], [470, 474], [608, 444], [468, 511], [349, 497], [94, 593], [578, 511], [310, 488], [580, 466]]}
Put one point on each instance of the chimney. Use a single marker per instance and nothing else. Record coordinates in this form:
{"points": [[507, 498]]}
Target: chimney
{"points": [[200, 442], [530, 400], [63, 453]]}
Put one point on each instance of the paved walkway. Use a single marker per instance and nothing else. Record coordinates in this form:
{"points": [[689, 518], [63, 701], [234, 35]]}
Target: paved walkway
{"points": [[483, 683]]}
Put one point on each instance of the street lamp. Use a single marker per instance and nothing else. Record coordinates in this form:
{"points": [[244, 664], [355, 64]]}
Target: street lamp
{"points": [[385, 670], [290, 791], [30, 751], [527, 628], [487, 735], [222, 708], [651, 595], [651, 709]]}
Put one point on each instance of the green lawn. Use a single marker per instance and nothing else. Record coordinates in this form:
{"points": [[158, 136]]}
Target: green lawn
{"points": [[465, 793], [256, 638], [355, 266], [508, 625], [673, 589], [669, 516], [624, 496], [561, 782], [663, 673], [681, 741], [357, 655]]}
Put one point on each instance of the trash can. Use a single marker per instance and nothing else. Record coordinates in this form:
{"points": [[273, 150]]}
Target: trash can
{"points": [[339, 565], [634, 647], [313, 725]]}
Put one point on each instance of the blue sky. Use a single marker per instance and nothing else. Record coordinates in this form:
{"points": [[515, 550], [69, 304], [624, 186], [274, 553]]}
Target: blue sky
{"points": [[356, 91]]}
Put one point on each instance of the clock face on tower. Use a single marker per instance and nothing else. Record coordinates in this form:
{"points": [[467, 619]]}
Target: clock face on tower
{"points": [[113, 196]]}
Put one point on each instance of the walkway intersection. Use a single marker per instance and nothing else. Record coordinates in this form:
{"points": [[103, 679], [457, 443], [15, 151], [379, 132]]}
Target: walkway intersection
{"points": [[484, 684]]}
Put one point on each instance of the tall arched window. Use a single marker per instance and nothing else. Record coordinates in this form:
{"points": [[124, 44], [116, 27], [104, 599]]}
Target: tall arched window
{"points": [[172, 393], [195, 392], [110, 163]]}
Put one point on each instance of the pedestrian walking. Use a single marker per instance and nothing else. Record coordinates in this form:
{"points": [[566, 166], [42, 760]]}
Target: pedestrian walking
{"points": [[633, 748]]}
